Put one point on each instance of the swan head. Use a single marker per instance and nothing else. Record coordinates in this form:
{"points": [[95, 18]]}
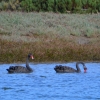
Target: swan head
{"points": [[30, 56], [85, 69]]}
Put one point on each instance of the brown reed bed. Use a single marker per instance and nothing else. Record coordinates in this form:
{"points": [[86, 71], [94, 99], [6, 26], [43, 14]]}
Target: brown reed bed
{"points": [[49, 48]]}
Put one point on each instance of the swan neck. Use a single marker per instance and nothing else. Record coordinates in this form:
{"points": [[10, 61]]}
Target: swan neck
{"points": [[77, 67], [27, 64]]}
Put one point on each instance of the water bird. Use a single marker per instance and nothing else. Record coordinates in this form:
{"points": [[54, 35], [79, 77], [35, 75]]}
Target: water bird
{"points": [[67, 69], [21, 69]]}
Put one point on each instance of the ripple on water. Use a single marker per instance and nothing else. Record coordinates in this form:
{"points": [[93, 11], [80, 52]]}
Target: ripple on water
{"points": [[45, 84]]}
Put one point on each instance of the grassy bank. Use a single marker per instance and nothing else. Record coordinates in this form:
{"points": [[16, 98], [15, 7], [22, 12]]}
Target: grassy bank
{"points": [[47, 48], [49, 36]]}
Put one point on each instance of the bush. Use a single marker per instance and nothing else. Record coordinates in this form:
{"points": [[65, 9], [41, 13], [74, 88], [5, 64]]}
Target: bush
{"points": [[68, 5], [3, 5], [27, 5], [98, 5], [75, 6]]}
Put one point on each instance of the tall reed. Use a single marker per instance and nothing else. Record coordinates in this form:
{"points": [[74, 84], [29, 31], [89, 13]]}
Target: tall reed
{"points": [[48, 49]]}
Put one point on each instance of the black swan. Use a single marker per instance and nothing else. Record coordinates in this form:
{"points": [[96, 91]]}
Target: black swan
{"points": [[21, 69], [66, 69]]}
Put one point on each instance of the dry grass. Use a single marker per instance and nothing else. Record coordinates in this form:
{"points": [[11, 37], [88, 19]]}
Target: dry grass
{"points": [[49, 49], [49, 36]]}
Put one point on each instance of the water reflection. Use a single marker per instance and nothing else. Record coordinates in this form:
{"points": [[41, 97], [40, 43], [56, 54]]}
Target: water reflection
{"points": [[45, 84]]}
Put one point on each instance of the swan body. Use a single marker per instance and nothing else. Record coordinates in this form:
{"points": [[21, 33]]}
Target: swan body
{"points": [[21, 69], [67, 69]]}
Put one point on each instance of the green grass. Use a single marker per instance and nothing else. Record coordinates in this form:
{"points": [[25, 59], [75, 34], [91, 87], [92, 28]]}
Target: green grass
{"points": [[49, 36], [25, 23]]}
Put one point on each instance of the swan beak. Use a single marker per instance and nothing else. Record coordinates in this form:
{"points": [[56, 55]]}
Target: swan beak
{"points": [[85, 69], [32, 57]]}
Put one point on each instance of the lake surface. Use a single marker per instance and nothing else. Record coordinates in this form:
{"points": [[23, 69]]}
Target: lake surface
{"points": [[45, 84]]}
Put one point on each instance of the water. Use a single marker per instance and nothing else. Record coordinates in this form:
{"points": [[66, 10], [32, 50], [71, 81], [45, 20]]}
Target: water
{"points": [[45, 84]]}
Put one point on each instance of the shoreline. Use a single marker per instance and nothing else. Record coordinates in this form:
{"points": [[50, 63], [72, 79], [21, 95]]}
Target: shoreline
{"points": [[51, 62]]}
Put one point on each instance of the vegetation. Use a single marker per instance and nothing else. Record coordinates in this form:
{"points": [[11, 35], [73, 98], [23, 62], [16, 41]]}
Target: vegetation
{"points": [[62, 6], [49, 36], [57, 49], [21, 23]]}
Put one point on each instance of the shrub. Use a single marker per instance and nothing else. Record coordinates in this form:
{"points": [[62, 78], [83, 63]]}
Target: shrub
{"points": [[13, 4], [3, 5], [51, 5], [75, 6], [69, 5], [27, 5]]}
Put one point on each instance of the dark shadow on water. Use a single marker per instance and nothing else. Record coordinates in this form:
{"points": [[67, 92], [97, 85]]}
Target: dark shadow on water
{"points": [[6, 88], [43, 76]]}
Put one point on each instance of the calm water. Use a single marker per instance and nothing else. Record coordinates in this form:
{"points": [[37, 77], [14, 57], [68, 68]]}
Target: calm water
{"points": [[45, 84]]}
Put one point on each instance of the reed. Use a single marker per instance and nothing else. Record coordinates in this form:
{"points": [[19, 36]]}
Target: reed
{"points": [[49, 36], [48, 49]]}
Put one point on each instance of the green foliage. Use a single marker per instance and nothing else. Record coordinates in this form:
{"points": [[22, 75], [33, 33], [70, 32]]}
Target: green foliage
{"points": [[98, 5], [9, 4], [92, 5], [61, 7], [13, 4], [43, 5], [75, 6], [68, 5], [3, 5], [51, 6], [27, 5]]}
